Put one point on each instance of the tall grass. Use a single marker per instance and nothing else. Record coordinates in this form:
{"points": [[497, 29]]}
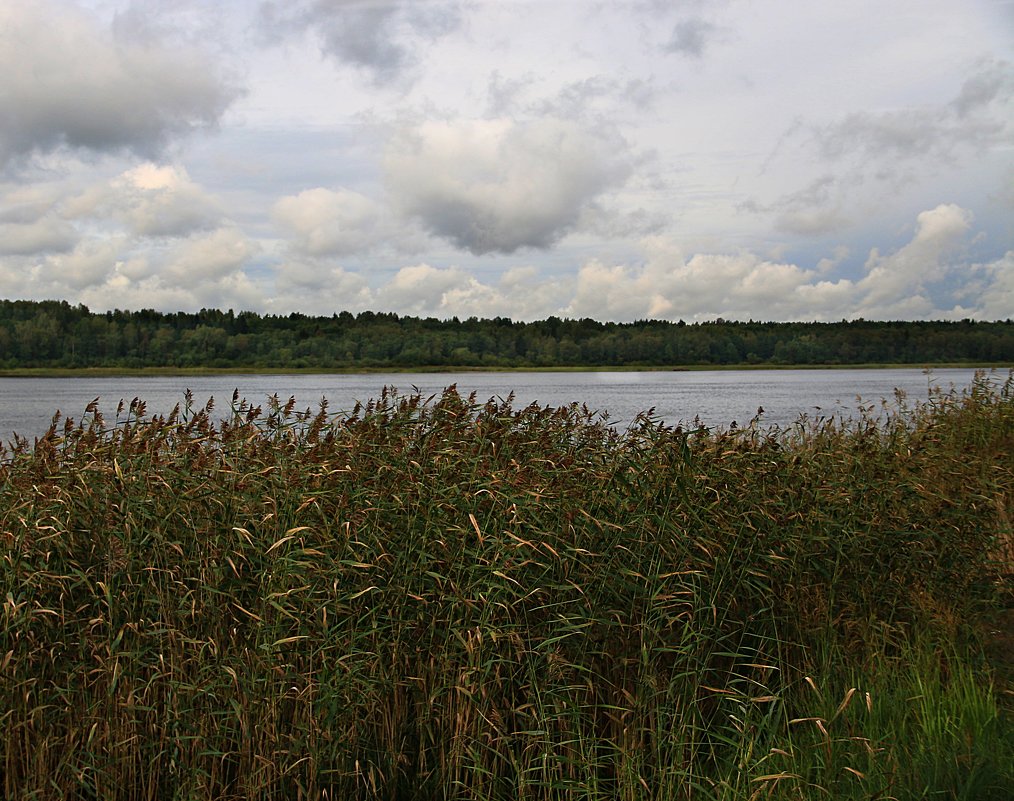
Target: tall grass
{"points": [[443, 599]]}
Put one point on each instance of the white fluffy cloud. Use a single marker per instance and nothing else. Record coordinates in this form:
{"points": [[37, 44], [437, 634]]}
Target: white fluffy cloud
{"points": [[314, 289], [705, 286], [428, 291], [204, 270], [496, 186], [163, 201], [149, 200], [209, 257], [922, 278], [325, 222], [90, 264], [895, 285], [995, 300], [898, 285], [69, 83], [421, 288], [668, 284]]}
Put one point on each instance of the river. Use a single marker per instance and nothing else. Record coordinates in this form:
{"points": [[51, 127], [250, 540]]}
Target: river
{"points": [[716, 398]]}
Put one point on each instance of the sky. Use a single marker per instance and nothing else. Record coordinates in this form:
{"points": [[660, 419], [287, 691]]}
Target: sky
{"points": [[613, 159]]}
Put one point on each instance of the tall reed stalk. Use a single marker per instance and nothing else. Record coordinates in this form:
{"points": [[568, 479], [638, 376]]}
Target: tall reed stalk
{"points": [[444, 599]]}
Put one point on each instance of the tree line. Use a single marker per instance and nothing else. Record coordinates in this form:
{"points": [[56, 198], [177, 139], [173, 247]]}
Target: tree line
{"points": [[56, 334]]}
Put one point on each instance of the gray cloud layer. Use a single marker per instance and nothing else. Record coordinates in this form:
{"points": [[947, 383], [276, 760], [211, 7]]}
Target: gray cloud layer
{"points": [[978, 116], [68, 82], [383, 38], [863, 150], [691, 37]]}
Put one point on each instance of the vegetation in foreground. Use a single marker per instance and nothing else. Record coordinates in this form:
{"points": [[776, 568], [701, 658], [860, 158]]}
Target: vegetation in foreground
{"points": [[441, 599]]}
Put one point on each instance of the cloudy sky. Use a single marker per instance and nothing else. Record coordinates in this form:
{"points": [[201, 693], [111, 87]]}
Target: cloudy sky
{"points": [[615, 159]]}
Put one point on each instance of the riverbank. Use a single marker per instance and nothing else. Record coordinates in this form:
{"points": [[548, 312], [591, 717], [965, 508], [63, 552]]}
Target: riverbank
{"points": [[95, 372], [444, 600]]}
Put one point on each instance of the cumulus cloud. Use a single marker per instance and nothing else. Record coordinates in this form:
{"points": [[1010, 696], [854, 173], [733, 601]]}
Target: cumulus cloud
{"points": [[150, 201], [421, 288], [126, 211], [89, 264], [234, 291], [70, 83], [996, 297], [382, 38], [911, 281], [203, 270], [31, 223], [314, 289], [705, 286], [496, 186], [63, 275], [898, 285], [324, 222], [163, 201], [425, 290], [895, 285], [209, 257], [46, 235]]}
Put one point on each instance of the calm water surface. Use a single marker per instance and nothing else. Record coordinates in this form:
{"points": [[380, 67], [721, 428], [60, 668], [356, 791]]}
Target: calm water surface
{"points": [[717, 398]]}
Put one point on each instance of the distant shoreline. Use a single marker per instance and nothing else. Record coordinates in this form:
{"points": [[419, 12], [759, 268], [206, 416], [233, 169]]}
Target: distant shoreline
{"points": [[99, 372]]}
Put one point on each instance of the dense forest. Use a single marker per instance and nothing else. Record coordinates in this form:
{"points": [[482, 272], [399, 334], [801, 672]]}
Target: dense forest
{"points": [[56, 334]]}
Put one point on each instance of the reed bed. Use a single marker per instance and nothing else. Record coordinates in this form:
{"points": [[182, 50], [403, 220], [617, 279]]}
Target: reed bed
{"points": [[446, 599]]}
